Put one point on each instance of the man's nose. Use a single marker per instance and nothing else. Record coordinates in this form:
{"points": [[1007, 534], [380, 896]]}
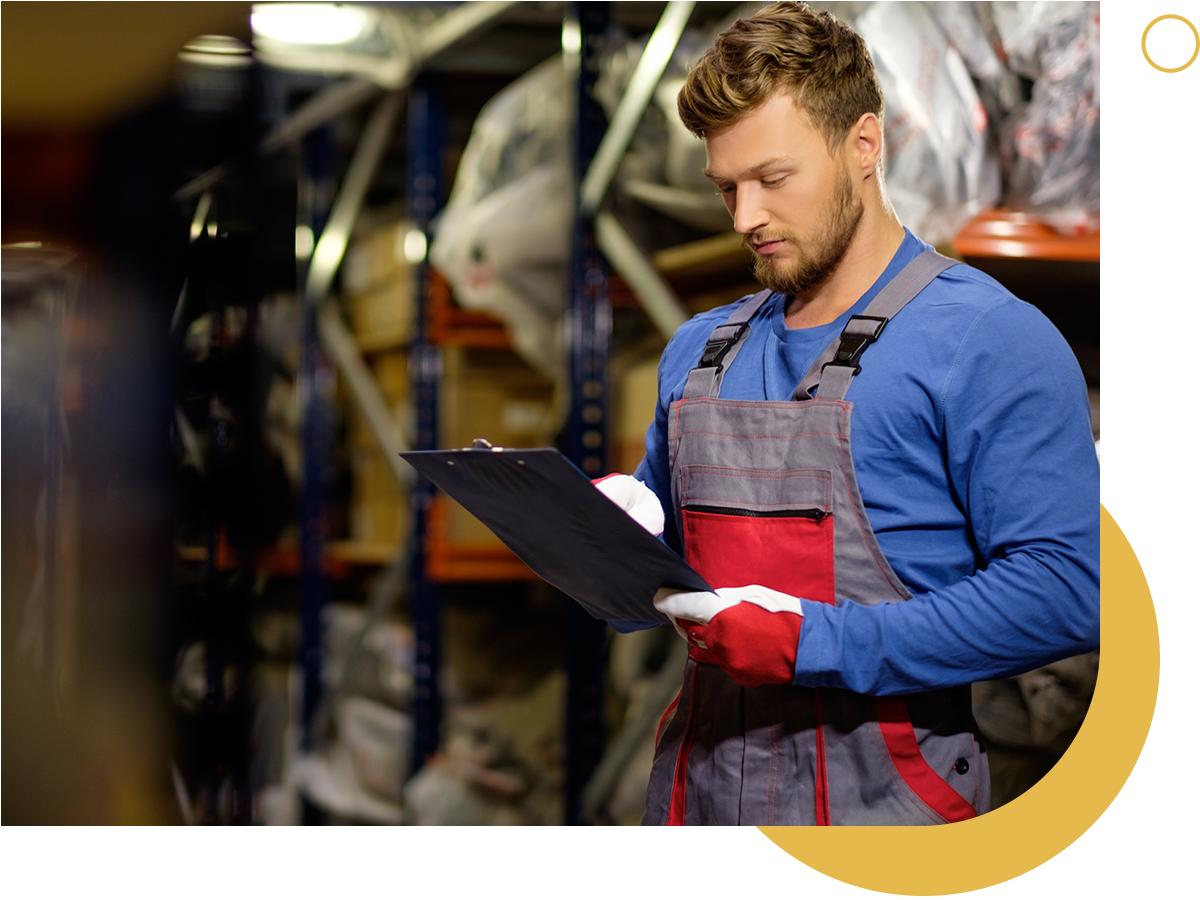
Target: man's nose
{"points": [[749, 212]]}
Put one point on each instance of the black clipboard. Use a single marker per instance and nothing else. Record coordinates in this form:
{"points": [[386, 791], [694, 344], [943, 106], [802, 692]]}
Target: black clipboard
{"points": [[550, 514]]}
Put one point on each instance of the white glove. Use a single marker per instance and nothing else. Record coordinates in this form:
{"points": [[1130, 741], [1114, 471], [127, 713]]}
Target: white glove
{"points": [[702, 606], [751, 632], [635, 498]]}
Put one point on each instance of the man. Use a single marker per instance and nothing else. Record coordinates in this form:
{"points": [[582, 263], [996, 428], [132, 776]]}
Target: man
{"points": [[861, 585]]}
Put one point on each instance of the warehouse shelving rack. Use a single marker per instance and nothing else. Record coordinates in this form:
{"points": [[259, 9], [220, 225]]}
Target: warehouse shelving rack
{"points": [[597, 241]]}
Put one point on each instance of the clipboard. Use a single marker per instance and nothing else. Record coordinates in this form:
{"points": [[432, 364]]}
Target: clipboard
{"points": [[551, 516]]}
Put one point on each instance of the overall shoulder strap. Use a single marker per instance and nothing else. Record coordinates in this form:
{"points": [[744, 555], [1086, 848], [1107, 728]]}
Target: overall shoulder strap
{"points": [[830, 375], [723, 345]]}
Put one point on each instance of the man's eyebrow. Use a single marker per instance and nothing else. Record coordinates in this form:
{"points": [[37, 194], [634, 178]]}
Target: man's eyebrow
{"points": [[752, 172]]}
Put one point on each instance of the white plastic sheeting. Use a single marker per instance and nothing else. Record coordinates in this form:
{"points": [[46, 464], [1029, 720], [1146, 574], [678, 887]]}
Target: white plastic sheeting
{"points": [[939, 166], [1051, 145], [504, 237]]}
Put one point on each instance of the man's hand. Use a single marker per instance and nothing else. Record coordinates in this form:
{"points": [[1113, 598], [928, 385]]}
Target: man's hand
{"points": [[750, 632], [635, 498]]}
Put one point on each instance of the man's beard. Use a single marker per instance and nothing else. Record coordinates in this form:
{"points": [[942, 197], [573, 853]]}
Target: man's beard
{"points": [[816, 258]]}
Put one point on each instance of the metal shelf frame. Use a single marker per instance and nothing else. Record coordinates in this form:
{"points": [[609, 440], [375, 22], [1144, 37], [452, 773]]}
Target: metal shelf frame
{"points": [[597, 239], [426, 137], [597, 242], [589, 332]]}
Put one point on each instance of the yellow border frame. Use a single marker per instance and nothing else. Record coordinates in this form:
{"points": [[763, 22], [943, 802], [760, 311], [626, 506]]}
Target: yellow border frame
{"points": [[1195, 33]]}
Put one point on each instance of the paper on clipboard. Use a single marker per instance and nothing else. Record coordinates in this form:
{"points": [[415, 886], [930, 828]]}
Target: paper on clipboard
{"points": [[550, 514]]}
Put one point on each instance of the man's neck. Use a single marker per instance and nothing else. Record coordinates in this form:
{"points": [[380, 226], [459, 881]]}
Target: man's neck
{"points": [[878, 238]]}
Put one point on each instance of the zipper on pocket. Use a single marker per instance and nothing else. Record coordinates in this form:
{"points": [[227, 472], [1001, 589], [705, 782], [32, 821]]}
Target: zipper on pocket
{"points": [[817, 514]]}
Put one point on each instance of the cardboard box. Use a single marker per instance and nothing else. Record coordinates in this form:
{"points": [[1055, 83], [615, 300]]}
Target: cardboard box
{"points": [[491, 394], [635, 399], [376, 259], [378, 288], [383, 316], [380, 513], [391, 374], [390, 371]]}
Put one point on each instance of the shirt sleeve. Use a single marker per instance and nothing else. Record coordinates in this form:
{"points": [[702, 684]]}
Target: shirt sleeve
{"points": [[1023, 466]]}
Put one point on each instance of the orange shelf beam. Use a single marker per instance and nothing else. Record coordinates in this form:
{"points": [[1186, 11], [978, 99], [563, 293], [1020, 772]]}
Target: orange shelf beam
{"points": [[341, 557], [449, 323], [1013, 235], [447, 561]]}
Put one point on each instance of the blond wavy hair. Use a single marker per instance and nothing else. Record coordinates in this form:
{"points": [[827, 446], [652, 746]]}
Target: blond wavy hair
{"points": [[818, 59]]}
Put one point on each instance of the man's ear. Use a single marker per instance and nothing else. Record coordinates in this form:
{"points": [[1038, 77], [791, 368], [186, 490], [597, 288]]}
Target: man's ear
{"points": [[865, 141]]}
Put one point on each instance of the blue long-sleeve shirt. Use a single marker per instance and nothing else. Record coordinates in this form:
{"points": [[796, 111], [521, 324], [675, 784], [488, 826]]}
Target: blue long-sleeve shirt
{"points": [[971, 440]]}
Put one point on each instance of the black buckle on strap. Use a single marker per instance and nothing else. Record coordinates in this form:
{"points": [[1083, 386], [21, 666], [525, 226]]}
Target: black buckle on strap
{"points": [[717, 347], [851, 348]]}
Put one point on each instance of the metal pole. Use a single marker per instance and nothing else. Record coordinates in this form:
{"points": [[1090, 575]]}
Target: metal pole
{"points": [[331, 246], [662, 43], [661, 304], [364, 393], [589, 323], [461, 23], [316, 389], [424, 174]]}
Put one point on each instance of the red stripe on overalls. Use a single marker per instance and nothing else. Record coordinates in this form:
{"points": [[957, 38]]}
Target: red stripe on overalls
{"points": [[676, 811], [662, 723], [901, 742], [821, 782]]}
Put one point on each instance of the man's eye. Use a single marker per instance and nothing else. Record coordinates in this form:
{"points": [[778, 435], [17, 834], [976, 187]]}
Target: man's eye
{"points": [[771, 182], [726, 189]]}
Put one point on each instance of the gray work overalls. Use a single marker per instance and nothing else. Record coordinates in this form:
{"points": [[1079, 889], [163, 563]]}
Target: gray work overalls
{"points": [[765, 493]]}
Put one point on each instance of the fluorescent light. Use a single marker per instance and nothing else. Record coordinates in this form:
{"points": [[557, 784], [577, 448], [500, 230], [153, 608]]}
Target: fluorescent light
{"points": [[572, 39], [414, 246], [308, 23]]}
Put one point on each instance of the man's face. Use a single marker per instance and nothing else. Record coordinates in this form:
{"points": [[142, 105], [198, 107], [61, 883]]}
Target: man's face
{"points": [[794, 204]]}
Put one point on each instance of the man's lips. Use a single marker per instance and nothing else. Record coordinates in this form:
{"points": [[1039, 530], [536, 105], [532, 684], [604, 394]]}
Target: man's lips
{"points": [[766, 248]]}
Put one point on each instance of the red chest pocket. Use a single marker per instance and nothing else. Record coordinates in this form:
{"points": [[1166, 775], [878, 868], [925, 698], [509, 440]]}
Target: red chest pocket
{"points": [[771, 528]]}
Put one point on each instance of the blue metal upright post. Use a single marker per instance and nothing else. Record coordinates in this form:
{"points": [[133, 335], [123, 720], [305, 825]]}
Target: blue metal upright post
{"points": [[424, 191], [589, 331], [316, 382]]}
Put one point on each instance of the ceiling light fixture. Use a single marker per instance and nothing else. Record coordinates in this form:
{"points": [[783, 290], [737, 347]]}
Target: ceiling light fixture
{"points": [[308, 23]]}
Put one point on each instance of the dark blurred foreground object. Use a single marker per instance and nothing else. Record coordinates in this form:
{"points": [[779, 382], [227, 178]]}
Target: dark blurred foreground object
{"points": [[84, 549], [87, 297]]}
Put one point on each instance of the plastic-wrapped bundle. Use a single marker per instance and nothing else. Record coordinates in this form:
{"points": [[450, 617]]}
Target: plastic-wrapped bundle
{"points": [[663, 165], [939, 166], [500, 763], [946, 173], [1051, 146], [504, 236], [971, 31]]}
